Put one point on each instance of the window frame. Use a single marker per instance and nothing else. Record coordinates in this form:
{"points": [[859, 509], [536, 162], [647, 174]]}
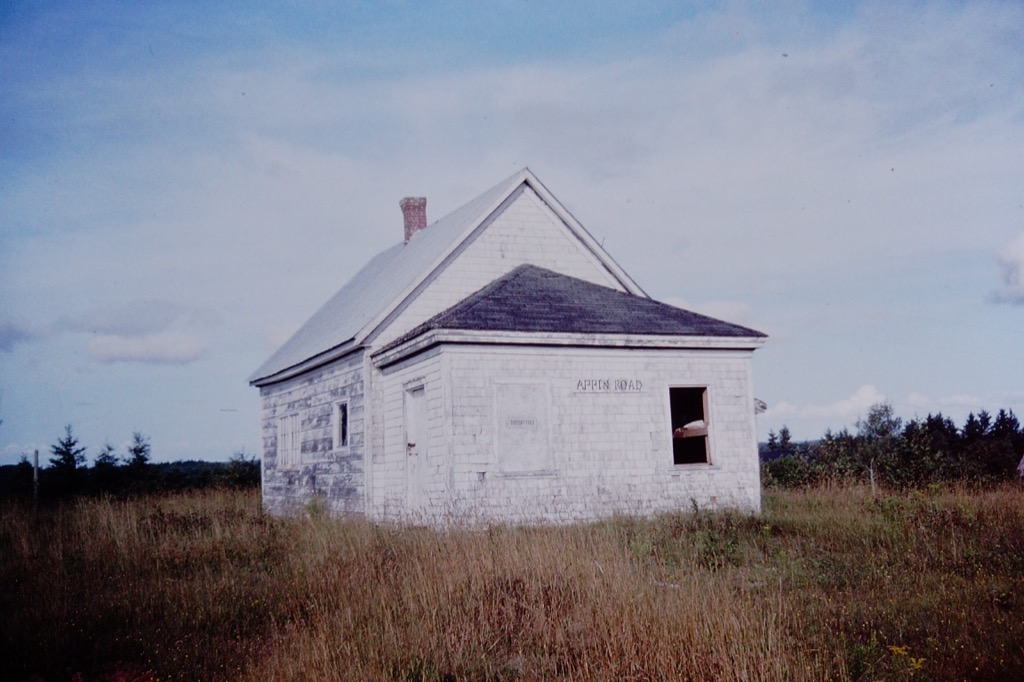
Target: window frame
{"points": [[675, 430], [341, 431], [289, 441]]}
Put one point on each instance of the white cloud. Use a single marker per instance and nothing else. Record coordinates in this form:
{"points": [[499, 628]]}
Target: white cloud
{"points": [[1011, 261], [170, 348], [133, 318], [847, 409], [918, 401], [148, 331]]}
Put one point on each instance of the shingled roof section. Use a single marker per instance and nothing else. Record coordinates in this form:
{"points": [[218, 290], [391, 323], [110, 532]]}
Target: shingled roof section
{"points": [[533, 299]]}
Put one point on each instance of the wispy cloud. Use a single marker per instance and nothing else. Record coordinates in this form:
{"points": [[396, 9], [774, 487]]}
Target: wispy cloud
{"points": [[133, 318], [142, 331], [170, 348], [12, 334], [12, 452], [846, 409], [1011, 261]]}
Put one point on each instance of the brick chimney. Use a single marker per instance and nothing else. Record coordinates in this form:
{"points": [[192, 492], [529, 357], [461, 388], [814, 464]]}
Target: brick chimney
{"points": [[414, 210]]}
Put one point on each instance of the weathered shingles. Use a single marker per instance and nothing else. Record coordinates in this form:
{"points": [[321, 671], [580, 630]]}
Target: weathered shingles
{"points": [[533, 299]]}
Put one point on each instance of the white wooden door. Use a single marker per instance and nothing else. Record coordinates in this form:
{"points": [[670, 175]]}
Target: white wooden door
{"points": [[415, 447]]}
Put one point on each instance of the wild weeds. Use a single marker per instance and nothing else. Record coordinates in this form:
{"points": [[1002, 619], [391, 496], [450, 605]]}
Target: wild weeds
{"points": [[826, 584]]}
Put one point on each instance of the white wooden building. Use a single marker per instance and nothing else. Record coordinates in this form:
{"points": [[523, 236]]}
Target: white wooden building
{"points": [[498, 365]]}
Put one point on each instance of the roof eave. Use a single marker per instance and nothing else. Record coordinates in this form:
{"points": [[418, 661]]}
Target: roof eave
{"points": [[318, 360], [433, 337]]}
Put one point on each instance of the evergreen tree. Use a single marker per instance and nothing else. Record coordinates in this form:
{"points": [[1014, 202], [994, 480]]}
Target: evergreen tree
{"points": [[19, 483], [944, 443], [138, 451], [1006, 425], [972, 430], [991, 450], [67, 454], [984, 422], [105, 473], [106, 459], [785, 445]]}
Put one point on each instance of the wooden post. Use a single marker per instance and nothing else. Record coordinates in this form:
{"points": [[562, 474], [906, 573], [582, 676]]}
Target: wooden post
{"points": [[35, 476]]}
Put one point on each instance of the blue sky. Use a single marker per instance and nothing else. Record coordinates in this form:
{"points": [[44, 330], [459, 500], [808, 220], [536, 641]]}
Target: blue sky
{"points": [[182, 186]]}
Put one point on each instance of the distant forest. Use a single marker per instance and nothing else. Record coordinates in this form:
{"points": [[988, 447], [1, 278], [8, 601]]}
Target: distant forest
{"points": [[885, 451], [67, 472]]}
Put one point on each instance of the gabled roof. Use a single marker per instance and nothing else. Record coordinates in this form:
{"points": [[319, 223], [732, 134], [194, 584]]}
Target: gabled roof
{"points": [[352, 314], [533, 299]]}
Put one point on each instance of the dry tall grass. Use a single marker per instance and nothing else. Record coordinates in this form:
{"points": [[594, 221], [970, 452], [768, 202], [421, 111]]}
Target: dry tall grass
{"points": [[826, 584]]}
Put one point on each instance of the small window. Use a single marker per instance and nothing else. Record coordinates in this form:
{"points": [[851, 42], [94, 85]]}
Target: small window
{"points": [[289, 443], [689, 406], [340, 426]]}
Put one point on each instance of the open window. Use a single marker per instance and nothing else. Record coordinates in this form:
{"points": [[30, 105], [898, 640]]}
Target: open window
{"points": [[341, 425], [689, 407]]}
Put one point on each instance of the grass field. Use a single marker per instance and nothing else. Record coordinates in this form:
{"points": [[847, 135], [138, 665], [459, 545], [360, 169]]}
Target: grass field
{"points": [[825, 584]]}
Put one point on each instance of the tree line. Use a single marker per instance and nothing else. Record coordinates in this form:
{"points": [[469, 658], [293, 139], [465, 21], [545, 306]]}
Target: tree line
{"points": [[68, 473], [885, 451]]}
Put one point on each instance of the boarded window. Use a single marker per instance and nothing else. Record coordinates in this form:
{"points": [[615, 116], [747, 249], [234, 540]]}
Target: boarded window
{"points": [[689, 406], [289, 443], [341, 425], [521, 411]]}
